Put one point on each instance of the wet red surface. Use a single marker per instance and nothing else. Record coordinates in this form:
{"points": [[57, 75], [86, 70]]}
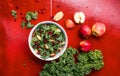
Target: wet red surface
{"points": [[15, 56]]}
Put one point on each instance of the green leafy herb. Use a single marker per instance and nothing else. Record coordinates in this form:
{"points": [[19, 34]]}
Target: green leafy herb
{"points": [[66, 65], [26, 25], [35, 15], [23, 24], [31, 15], [14, 13], [29, 25], [28, 16]]}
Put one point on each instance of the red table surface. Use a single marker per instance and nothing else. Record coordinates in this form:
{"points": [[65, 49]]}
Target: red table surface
{"points": [[16, 58]]}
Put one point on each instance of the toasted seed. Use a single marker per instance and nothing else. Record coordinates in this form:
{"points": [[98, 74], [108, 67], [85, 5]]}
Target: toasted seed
{"points": [[53, 54], [63, 43], [51, 40], [59, 48]]}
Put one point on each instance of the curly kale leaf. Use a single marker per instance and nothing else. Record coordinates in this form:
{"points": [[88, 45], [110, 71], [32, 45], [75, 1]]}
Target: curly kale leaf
{"points": [[14, 13], [31, 15], [66, 65]]}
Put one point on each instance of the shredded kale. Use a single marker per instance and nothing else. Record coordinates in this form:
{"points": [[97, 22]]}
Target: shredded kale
{"points": [[23, 24], [68, 66], [26, 24], [31, 15], [29, 25], [14, 13], [28, 17]]}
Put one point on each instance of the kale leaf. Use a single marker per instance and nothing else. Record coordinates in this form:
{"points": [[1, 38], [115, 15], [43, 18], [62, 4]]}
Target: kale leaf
{"points": [[14, 13], [66, 65], [31, 15]]}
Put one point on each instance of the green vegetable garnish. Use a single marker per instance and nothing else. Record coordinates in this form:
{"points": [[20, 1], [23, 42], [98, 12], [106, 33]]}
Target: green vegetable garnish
{"points": [[23, 24], [29, 25], [14, 13], [28, 17], [66, 65], [31, 15]]}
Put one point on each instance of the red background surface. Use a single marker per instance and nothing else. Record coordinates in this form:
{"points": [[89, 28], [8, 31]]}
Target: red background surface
{"points": [[16, 58]]}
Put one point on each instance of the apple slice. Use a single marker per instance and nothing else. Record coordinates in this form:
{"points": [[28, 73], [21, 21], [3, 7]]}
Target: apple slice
{"points": [[69, 24], [79, 17], [58, 16]]}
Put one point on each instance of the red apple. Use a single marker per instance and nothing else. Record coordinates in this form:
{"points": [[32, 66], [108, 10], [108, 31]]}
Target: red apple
{"points": [[85, 46], [98, 29], [85, 31], [69, 24]]}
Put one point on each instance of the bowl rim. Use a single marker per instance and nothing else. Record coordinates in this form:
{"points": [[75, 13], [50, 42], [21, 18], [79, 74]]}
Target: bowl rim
{"points": [[58, 54]]}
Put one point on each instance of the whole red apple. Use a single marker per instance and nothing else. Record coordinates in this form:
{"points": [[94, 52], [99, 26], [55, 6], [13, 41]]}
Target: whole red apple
{"points": [[85, 46], [85, 31], [98, 29]]}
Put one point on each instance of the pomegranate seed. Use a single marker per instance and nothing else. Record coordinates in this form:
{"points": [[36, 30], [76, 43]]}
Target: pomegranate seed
{"points": [[51, 17], [36, 42], [14, 19], [22, 18], [53, 43], [58, 6], [45, 8], [21, 13], [45, 41], [38, 46], [40, 31], [38, 51], [58, 50], [36, 1], [49, 33], [41, 9], [42, 12], [16, 7], [55, 36]]}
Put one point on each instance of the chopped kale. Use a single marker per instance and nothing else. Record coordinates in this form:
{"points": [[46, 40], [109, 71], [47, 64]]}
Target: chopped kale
{"points": [[14, 13], [28, 17], [31, 15], [23, 24], [66, 65], [29, 25]]}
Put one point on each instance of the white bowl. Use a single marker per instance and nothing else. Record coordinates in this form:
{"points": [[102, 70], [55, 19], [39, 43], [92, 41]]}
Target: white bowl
{"points": [[58, 54]]}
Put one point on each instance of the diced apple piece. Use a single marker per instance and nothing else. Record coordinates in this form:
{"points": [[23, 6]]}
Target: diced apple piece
{"points": [[69, 24], [39, 38], [52, 55], [58, 16]]}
